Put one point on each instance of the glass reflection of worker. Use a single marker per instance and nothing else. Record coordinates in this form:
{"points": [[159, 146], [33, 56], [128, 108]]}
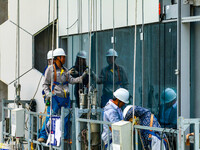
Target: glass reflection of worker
{"points": [[168, 111], [150, 139], [77, 71], [113, 113], [106, 77]]}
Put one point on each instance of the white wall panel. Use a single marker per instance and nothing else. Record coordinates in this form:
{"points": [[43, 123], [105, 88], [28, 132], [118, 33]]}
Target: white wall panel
{"points": [[8, 52], [33, 14], [84, 21], [62, 12], [107, 14], [29, 83], [120, 8], [151, 11], [73, 16], [98, 16]]}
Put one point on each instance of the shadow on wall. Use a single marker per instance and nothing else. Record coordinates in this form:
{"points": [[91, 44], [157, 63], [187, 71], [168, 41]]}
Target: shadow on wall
{"points": [[3, 11]]}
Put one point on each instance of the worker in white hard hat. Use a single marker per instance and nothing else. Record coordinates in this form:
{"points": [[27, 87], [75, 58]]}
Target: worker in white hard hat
{"points": [[113, 113], [60, 89], [168, 109], [106, 77], [49, 62], [150, 139], [77, 71]]}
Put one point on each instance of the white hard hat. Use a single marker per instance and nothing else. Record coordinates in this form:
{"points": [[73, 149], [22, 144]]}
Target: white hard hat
{"points": [[122, 94], [111, 52], [126, 110], [58, 52], [49, 54], [82, 54]]}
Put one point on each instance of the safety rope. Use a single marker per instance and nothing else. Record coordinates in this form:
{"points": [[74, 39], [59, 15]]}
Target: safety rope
{"points": [[134, 66], [52, 73], [17, 54], [90, 31], [113, 45]]}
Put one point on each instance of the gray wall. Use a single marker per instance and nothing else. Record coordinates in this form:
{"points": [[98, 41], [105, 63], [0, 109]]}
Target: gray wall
{"points": [[3, 95], [3, 11]]}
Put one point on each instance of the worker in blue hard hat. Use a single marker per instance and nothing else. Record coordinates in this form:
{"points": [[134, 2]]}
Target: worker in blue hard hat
{"points": [[168, 110], [60, 89], [113, 113], [106, 77], [77, 71], [151, 140]]}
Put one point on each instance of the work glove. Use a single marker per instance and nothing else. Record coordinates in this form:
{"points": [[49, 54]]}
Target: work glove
{"points": [[93, 75], [48, 98], [85, 74], [73, 71]]}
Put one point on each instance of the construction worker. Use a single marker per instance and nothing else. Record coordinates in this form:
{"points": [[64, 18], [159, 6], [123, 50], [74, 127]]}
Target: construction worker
{"points": [[151, 140], [60, 89], [113, 113], [49, 62], [106, 77], [168, 110], [77, 71]]}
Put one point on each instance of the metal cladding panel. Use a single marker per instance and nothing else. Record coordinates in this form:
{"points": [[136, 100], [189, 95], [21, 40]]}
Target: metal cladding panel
{"points": [[84, 17], [72, 17], [62, 15], [34, 14], [120, 13], [107, 14], [29, 83], [151, 12], [8, 52]]}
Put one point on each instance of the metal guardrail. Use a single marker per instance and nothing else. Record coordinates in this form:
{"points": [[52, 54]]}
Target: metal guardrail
{"points": [[78, 113], [31, 115]]}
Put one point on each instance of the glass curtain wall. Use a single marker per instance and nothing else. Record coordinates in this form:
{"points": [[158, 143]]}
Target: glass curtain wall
{"points": [[158, 59]]}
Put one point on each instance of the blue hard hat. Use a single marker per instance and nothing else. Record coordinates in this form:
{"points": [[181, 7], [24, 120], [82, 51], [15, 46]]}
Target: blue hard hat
{"points": [[168, 95]]}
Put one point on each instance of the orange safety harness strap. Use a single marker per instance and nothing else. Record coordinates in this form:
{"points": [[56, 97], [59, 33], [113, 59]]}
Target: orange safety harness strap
{"points": [[151, 124]]}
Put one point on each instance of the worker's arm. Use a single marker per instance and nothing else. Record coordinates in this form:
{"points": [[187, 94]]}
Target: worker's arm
{"points": [[124, 78], [47, 80]]}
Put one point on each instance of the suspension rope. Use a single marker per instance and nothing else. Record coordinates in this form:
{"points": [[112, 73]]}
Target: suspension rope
{"points": [[52, 73], [90, 31], [113, 40], [134, 66], [17, 58]]}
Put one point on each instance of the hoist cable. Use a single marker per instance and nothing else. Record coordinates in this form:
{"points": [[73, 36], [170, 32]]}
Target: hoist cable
{"points": [[113, 41], [134, 67], [52, 73]]}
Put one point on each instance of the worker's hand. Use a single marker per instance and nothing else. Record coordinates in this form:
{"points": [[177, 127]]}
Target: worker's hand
{"points": [[72, 71], [85, 73]]}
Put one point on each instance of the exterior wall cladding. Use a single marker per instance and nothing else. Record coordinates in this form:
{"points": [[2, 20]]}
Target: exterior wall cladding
{"points": [[159, 49]]}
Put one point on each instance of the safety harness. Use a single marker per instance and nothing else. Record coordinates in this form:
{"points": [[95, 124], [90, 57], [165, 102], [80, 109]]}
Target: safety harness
{"points": [[59, 83], [119, 82]]}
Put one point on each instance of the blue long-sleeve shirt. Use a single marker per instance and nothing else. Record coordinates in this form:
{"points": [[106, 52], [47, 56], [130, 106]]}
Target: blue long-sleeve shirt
{"points": [[144, 116], [112, 113]]}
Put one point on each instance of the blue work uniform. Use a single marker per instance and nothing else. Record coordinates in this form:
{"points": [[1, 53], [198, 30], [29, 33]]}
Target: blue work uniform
{"points": [[61, 93], [144, 116], [112, 113], [106, 78], [168, 116]]}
